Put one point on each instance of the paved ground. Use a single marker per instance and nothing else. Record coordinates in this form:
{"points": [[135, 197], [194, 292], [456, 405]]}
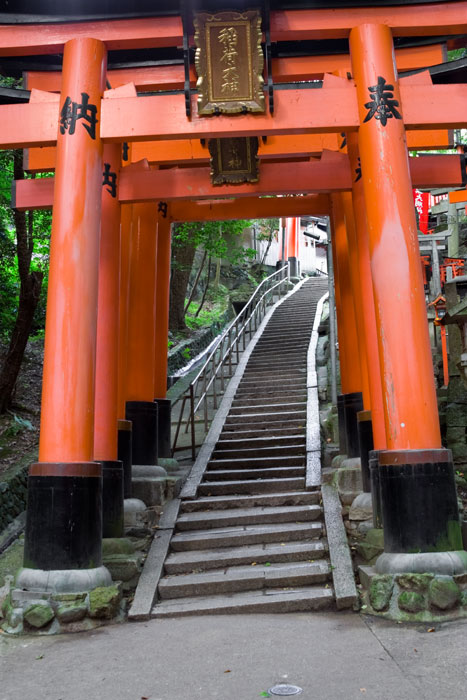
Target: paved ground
{"points": [[330, 655]]}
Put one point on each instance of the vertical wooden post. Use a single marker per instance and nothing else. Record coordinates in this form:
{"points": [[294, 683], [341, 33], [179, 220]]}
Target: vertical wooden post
{"points": [[293, 233], [64, 519], [417, 483]]}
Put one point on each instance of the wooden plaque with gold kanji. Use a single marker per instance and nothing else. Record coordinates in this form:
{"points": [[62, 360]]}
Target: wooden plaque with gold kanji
{"points": [[234, 160], [229, 62]]}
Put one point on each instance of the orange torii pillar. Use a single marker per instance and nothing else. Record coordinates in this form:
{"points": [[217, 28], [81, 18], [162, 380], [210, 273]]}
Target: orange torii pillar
{"points": [[64, 512], [282, 255], [140, 406], [106, 404], [350, 401], [124, 426], [162, 332], [418, 492], [293, 236]]}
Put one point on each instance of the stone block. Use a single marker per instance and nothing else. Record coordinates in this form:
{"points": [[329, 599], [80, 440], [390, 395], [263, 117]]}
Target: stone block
{"points": [[415, 582], [411, 601], [456, 414], [71, 612], [444, 593], [116, 545], [380, 592], [104, 602], [38, 614], [133, 512], [69, 598], [123, 567], [149, 490], [455, 434], [362, 507]]}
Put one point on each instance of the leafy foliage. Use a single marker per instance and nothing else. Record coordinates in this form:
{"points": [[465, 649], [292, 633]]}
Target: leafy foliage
{"points": [[216, 237]]}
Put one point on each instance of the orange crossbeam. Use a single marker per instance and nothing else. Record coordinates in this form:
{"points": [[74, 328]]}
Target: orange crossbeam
{"points": [[326, 110], [289, 25], [290, 69], [250, 208], [330, 174], [458, 197]]}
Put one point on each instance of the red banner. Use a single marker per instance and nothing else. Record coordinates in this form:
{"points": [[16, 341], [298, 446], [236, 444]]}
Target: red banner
{"points": [[422, 205]]}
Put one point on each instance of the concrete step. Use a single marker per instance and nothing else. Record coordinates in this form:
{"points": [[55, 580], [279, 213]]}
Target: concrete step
{"points": [[221, 488], [245, 473], [267, 408], [249, 534], [254, 398], [248, 516], [258, 462], [268, 382], [260, 441], [287, 498], [269, 392], [261, 450], [244, 578], [267, 600], [222, 557], [269, 418]]}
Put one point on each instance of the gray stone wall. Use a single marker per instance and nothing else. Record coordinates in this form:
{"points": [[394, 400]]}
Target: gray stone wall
{"points": [[13, 494]]}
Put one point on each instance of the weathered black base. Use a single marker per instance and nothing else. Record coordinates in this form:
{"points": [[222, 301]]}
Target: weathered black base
{"points": [[294, 267], [143, 415], [64, 516], [365, 440], [353, 404], [341, 424], [373, 464], [419, 501], [124, 454], [164, 427], [112, 498]]}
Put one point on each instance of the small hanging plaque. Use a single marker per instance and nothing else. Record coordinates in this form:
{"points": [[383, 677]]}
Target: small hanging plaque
{"points": [[234, 160]]}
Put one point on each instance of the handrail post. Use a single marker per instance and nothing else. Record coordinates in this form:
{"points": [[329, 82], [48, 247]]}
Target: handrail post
{"points": [[193, 431]]}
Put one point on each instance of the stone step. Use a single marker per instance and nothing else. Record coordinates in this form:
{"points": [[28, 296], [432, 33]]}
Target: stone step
{"points": [[269, 392], [249, 418], [260, 441], [245, 473], [266, 600], [268, 382], [248, 516], [244, 578], [287, 498], [221, 488], [262, 450], [258, 462], [266, 408], [255, 398], [248, 534]]}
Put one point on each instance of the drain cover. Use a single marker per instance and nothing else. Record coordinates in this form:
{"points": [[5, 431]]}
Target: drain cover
{"points": [[285, 689]]}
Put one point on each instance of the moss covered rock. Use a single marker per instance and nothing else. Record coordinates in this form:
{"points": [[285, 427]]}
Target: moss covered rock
{"points": [[411, 601], [381, 588], [104, 602], [38, 614], [415, 582], [444, 593], [71, 612]]}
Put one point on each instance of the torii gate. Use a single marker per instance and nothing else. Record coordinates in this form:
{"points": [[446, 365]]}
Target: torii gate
{"points": [[87, 124]]}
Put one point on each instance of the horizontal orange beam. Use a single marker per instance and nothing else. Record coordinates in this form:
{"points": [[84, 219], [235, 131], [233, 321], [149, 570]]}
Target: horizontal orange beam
{"points": [[290, 69], [459, 196], [289, 25], [326, 110], [330, 174], [250, 208]]}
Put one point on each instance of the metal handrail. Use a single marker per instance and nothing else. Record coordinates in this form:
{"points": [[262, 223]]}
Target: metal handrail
{"points": [[225, 354]]}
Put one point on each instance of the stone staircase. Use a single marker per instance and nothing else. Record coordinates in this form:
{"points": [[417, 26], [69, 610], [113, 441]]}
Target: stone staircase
{"points": [[253, 539]]}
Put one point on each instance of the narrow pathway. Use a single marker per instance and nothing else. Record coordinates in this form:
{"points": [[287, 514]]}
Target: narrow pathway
{"points": [[253, 539]]}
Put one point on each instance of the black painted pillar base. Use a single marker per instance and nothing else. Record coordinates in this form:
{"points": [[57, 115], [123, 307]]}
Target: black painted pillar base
{"points": [[124, 454], [373, 465], [294, 267], [419, 501], [112, 498], [164, 427], [64, 516], [365, 440], [353, 404], [143, 415], [341, 424]]}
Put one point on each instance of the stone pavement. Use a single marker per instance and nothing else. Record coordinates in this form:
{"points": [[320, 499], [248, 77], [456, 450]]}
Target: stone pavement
{"points": [[332, 656]]}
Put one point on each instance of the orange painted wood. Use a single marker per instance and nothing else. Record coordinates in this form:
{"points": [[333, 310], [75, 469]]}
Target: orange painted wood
{"points": [[331, 173], [142, 33], [162, 307], [123, 306], [250, 208], [459, 196], [410, 404], [289, 69], [106, 397], [67, 415]]}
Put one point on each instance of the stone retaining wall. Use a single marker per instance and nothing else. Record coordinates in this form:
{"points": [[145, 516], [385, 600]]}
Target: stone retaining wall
{"points": [[185, 351], [13, 494]]}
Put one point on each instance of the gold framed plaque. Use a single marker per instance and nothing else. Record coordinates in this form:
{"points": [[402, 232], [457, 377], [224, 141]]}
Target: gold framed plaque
{"points": [[229, 62], [234, 160]]}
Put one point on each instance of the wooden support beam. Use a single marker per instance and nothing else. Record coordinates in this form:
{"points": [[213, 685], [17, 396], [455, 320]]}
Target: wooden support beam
{"points": [[287, 25], [458, 196], [330, 174], [151, 118], [250, 208]]}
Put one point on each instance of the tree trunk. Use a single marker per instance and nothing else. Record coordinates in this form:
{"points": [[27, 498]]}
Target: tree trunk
{"points": [[205, 289], [195, 283], [30, 289], [182, 261]]}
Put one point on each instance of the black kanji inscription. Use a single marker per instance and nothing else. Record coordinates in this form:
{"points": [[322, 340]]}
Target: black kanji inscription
{"points": [[110, 179], [125, 151], [344, 140], [73, 111], [162, 208], [382, 106], [358, 171]]}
